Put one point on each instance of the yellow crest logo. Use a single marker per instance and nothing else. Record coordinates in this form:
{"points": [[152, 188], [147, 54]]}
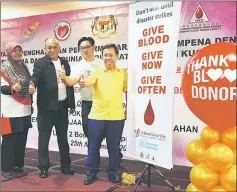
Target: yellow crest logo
{"points": [[104, 26]]}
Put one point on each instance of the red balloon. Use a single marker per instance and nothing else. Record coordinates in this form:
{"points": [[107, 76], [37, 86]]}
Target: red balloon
{"points": [[209, 85]]}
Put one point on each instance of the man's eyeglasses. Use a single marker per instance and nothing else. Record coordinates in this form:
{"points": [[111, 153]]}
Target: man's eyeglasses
{"points": [[86, 48]]}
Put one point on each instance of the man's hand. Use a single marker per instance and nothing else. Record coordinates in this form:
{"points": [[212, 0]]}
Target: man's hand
{"points": [[82, 82], [62, 73], [32, 88], [17, 86]]}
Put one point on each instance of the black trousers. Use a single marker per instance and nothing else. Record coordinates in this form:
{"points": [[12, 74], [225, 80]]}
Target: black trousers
{"points": [[13, 145], [46, 120], [85, 110]]}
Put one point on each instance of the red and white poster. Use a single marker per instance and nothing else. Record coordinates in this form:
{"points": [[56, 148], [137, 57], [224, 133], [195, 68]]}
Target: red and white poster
{"points": [[153, 36]]}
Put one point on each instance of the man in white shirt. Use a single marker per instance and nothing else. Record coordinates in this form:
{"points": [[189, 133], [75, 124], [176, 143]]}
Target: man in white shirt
{"points": [[88, 64]]}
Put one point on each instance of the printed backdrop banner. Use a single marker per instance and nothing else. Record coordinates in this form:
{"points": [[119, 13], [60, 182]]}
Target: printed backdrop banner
{"points": [[151, 68], [105, 25], [201, 24]]}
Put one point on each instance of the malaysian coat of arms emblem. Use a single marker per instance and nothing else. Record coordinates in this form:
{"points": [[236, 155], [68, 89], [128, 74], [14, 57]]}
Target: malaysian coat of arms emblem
{"points": [[104, 26]]}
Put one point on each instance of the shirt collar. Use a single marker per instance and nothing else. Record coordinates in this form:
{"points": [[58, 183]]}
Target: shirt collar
{"points": [[117, 69], [49, 60]]}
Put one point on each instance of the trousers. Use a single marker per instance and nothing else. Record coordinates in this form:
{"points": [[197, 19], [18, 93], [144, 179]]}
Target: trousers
{"points": [[112, 131], [46, 120]]}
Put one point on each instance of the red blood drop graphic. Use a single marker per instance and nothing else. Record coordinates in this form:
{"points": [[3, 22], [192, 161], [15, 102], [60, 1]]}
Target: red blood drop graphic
{"points": [[199, 13], [149, 115]]}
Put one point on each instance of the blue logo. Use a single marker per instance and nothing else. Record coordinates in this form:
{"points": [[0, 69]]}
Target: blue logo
{"points": [[148, 145], [142, 144]]}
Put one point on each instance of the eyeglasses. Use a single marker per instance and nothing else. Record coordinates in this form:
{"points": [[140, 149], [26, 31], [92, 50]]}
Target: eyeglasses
{"points": [[86, 48]]}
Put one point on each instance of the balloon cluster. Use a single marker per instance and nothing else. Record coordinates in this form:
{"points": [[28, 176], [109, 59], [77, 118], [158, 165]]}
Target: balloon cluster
{"points": [[214, 159], [209, 90]]}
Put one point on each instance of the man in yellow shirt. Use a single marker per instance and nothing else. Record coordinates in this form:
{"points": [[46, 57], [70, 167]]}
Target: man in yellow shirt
{"points": [[107, 115]]}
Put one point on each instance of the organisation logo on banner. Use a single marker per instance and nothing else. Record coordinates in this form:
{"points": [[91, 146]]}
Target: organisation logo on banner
{"points": [[62, 30], [199, 15], [104, 26], [199, 21]]}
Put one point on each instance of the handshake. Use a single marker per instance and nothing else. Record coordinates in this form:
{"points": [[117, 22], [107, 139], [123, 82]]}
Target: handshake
{"points": [[17, 87]]}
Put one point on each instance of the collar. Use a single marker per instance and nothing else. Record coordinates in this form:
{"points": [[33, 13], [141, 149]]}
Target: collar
{"points": [[49, 60], [117, 69], [89, 61]]}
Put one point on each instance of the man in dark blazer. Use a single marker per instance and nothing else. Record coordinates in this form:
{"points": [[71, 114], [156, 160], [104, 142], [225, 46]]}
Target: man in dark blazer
{"points": [[53, 100]]}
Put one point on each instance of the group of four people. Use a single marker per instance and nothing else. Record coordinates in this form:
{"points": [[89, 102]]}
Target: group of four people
{"points": [[102, 86]]}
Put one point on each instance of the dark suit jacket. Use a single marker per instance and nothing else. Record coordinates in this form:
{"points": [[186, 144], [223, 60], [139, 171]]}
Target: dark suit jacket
{"points": [[45, 79]]}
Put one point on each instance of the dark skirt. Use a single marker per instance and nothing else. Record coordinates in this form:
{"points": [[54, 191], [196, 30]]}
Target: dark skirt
{"points": [[15, 124]]}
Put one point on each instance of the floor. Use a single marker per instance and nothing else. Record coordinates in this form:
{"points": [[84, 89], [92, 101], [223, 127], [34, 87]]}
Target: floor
{"points": [[56, 181]]}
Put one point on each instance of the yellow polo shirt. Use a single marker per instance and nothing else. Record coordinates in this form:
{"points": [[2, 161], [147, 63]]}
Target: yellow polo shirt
{"points": [[108, 94]]}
